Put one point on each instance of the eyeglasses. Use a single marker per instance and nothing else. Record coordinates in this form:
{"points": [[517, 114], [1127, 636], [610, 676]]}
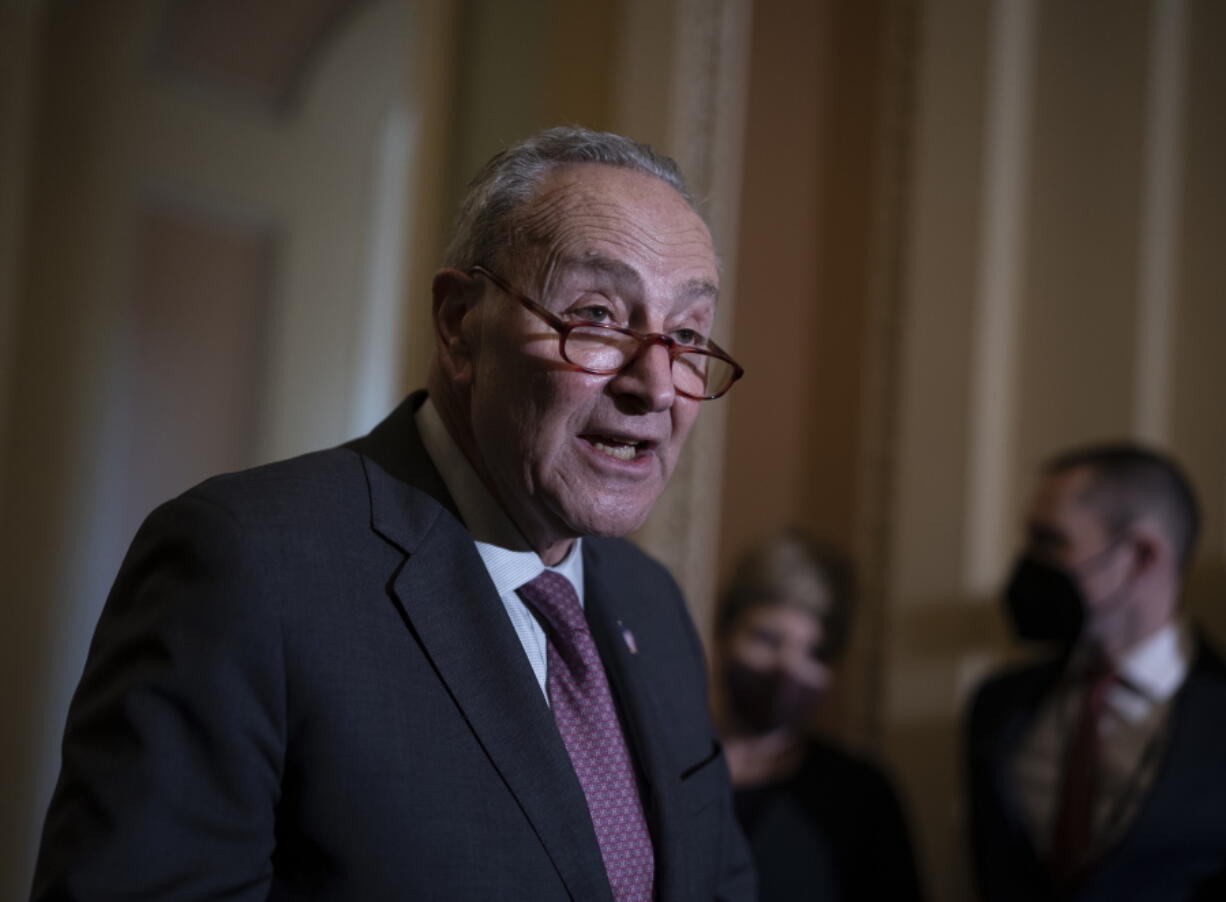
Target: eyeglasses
{"points": [[702, 373]]}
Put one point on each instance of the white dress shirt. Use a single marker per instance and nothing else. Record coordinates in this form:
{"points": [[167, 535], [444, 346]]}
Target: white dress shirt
{"points": [[503, 548], [1132, 733]]}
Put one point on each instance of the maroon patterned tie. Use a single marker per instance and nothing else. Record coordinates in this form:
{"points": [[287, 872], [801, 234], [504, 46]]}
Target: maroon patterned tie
{"points": [[1073, 834], [583, 710]]}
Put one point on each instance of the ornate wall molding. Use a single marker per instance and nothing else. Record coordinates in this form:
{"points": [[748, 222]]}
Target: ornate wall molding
{"points": [[706, 71]]}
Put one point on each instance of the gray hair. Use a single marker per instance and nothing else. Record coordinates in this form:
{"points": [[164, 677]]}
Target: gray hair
{"points": [[485, 224]]}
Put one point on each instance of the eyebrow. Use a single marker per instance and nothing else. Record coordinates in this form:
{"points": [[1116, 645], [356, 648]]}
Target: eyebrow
{"points": [[626, 276]]}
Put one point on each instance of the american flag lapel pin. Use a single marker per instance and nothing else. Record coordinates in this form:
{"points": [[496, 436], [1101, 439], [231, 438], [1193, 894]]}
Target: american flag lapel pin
{"points": [[628, 637]]}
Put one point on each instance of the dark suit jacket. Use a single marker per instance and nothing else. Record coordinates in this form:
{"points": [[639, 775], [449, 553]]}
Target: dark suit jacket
{"points": [[833, 831], [304, 686], [1175, 848]]}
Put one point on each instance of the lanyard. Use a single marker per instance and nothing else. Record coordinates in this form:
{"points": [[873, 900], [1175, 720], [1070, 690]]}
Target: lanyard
{"points": [[1131, 787]]}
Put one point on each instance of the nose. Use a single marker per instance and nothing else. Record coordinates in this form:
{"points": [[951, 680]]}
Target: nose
{"points": [[647, 380], [808, 672]]}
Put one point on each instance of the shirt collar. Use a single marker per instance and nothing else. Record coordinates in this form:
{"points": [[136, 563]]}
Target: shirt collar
{"points": [[1157, 665], [511, 562]]}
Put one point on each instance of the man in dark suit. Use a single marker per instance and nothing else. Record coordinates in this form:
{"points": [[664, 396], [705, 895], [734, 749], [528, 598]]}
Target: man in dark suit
{"points": [[1100, 774], [422, 665]]}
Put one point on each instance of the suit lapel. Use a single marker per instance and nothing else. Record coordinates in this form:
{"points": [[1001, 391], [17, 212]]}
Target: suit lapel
{"points": [[1185, 757], [1012, 733], [452, 610], [644, 727]]}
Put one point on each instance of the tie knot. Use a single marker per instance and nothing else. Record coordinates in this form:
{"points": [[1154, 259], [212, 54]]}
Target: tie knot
{"points": [[1097, 678], [1100, 669], [553, 597]]}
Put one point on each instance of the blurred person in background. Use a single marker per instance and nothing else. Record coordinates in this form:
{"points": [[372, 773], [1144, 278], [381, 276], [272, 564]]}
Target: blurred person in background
{"points": [[822, 823], [1100, 772]]}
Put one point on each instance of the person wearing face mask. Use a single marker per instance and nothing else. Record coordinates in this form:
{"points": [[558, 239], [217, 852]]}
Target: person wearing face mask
{"points": [[1099, 773], [822, 823]]}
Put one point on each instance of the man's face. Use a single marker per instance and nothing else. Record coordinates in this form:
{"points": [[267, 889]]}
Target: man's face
{"points": [[569, 453], [1065, 530]]}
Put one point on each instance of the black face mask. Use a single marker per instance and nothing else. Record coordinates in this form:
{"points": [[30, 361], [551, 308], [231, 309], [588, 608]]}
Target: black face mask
{"points": [[765, 700], [1044, 603]]}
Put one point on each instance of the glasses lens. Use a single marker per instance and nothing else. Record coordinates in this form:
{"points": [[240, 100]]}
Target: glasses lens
{"points": [[702, 375], [598, 349], [608, 351]]}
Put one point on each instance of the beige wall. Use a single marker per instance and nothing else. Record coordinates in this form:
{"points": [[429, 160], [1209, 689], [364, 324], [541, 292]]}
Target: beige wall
{"points": [[957, 235], [1075, 327], [1037, 272], [813, 269], [197, 289]]}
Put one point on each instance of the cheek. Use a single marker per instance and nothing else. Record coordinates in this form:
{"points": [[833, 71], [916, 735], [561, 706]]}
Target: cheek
{"points": [[549, 410], [684, 414], [506, 421], [565, 398], [1103, 585], [1090, 584], [752, 652], [811, 673]]}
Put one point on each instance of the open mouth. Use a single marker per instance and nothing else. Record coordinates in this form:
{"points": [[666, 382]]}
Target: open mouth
{"points": [[622, 449]]}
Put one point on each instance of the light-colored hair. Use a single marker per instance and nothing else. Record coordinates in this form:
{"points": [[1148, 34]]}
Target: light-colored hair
{"points": [[791, 569], [486, 224]]}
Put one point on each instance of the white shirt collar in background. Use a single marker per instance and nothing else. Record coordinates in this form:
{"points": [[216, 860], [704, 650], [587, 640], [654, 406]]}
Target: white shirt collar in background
{"points": [[1152, 671]]}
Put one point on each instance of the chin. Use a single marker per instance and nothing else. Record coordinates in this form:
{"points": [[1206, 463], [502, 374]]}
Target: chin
{"points": [[612, 521]]}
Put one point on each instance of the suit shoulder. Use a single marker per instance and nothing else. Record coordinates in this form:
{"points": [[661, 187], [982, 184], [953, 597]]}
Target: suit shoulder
{"points": [[1009, 680], [303, 512], [322, 482], [1208, 660], [1000, 695]]}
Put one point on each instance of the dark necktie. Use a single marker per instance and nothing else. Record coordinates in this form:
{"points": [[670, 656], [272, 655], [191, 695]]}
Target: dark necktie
{"points": [[583, 710], [1074, 825]]}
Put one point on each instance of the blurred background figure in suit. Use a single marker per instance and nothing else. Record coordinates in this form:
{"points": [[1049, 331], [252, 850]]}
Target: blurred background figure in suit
{"points": [[1100, 773], [822, 822]]}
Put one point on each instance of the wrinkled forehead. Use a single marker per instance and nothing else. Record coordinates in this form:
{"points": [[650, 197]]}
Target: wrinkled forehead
{"points": [[585, 213]]}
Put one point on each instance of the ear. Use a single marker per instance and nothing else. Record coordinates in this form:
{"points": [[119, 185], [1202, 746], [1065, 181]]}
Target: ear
{"points": [[455, 295], [1152, 546]]}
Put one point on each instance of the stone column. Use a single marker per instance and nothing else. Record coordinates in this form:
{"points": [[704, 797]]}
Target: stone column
{"points": [[682, 69]]}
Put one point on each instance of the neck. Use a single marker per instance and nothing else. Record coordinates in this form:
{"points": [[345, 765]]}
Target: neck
{"points": [[1118, 631], [453, 410], [554, 554]]}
